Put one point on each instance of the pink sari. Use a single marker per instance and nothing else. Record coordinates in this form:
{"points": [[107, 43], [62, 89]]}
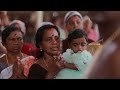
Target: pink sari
{"points": [[93, 35]]}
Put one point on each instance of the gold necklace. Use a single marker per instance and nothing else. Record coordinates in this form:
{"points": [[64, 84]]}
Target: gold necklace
{"points": [[45, 62], [8, 61]]}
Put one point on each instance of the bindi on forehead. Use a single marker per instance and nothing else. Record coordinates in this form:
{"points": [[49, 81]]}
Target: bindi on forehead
{"points": [[15, 34], [53, 35]]}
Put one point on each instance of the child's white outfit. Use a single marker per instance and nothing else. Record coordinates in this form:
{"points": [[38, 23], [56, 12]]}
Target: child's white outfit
{"points": [[81, 61]]}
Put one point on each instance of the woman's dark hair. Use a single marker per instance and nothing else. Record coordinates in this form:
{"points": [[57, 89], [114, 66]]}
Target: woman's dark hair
{"points": [[6, 32], [39, 36], [77, 33]]}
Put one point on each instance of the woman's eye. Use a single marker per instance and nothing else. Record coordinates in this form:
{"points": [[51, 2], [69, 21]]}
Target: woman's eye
{"points": [[12, 39], [48, 39], [78, 22], [70, 23], [19, 39], [74, 45], [83, 44], [57, 38]]}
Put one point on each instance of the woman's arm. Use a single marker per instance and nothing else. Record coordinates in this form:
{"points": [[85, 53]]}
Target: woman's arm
{"points": [[15, 76]]}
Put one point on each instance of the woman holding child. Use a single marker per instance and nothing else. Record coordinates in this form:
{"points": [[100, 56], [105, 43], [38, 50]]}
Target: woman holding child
{"points": [[50, 61]]}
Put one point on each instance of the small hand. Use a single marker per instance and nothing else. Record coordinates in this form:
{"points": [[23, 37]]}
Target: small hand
{"points": [[59, 61]]}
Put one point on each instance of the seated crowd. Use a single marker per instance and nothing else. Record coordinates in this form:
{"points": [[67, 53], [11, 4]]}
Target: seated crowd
{"points": [[52, 56]]}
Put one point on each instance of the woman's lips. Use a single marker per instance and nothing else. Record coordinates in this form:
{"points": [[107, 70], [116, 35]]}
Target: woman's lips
{"points": [[55, 48]]}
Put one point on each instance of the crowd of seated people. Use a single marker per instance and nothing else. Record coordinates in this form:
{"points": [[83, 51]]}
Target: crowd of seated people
{"points": [[55, 54]]}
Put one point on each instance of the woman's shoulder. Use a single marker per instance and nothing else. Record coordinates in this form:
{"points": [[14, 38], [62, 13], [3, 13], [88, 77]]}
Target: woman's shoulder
{"points": [[27, 58], [37, 72], [2, 59], [25, 55], [36, 66], [2, 55], [2, 63]]}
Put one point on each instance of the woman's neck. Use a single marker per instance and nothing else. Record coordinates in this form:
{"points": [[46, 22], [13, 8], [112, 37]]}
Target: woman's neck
{"points": [[48, 57], [12, 57]]}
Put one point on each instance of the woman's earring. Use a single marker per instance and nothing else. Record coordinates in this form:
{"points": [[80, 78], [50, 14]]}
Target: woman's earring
{"points": [[41, 49]]}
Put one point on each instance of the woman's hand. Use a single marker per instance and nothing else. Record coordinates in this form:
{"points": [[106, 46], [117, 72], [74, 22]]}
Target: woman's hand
{"points": [[18, 69], [58, 64], [59, 61]]}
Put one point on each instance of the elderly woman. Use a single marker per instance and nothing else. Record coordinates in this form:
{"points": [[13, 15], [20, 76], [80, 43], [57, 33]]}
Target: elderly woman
{"points": [[27, 47], [14, 64]]}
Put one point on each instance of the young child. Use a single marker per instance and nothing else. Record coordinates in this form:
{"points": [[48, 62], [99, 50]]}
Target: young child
{"points": [[77, 57]]}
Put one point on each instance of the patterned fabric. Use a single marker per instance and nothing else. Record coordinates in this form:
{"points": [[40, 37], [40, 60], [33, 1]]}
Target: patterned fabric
{"points": [[94, 47], [80, 59], [93, 35], [27, 62]]}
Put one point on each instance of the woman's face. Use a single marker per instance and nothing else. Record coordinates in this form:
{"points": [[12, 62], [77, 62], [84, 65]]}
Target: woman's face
{"points": [[51, 42], [74, 23], [78, 45], [14, 42], [87, 25]]}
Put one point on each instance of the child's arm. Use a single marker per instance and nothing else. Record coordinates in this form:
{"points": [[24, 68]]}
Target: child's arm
{"points": [[70, 66]]}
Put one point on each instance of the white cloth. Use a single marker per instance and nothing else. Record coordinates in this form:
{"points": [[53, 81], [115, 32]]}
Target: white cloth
{"points": [[7, 72]]}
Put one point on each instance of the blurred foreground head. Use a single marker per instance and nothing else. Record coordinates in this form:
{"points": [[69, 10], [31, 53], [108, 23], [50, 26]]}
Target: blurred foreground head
{"points": [[106, 63]]}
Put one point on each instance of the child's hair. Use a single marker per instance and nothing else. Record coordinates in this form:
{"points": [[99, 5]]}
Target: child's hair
{"points": [[77, 33]]}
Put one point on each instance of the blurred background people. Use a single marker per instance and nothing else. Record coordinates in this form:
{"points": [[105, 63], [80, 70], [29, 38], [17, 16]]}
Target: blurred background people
{"points": [[58, 20], [91, 29], [93, 35], [72, 20], [4, 19], [4, 22]]}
